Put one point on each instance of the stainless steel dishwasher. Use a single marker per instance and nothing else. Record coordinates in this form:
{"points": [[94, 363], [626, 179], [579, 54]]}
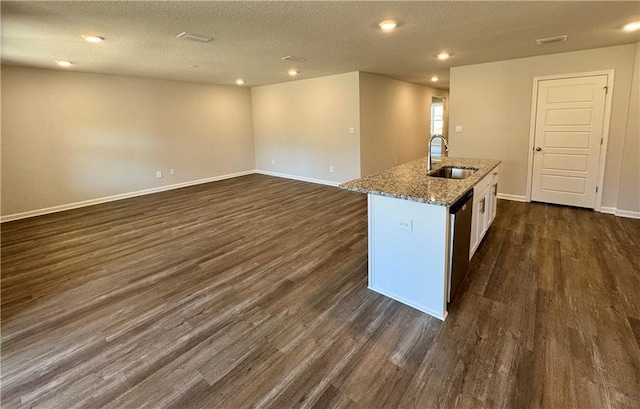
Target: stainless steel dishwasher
{"points": [[460, 225]]}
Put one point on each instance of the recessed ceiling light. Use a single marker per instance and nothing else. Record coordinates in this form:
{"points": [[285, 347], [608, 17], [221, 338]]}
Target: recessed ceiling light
{"points": [[63, 63], [240, 81], [388, 25], [434, 79], [293, 72], [443, 55], [93, 39], [632, 26]]}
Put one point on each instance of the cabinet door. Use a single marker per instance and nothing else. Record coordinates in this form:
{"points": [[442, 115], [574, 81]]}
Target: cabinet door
{"points": [[483, 215], [474, 228], [478, 221], [493, 202]]}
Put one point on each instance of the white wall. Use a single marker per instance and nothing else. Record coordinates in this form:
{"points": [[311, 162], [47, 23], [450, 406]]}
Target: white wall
{"points": [[304, 127], [492, 102], [395, 121], [70, 137], [629, 191]]}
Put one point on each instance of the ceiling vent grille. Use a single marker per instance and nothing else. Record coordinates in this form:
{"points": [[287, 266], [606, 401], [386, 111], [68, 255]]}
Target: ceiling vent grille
{"points": [[195, 37], [291, 58], [548, 40]]}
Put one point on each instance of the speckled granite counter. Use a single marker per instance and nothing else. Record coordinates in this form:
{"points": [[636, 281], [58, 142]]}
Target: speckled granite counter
{"points": [[410, 181]]}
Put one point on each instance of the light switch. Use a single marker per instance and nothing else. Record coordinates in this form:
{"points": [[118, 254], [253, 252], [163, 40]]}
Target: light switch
{"points": [[352, 130]]}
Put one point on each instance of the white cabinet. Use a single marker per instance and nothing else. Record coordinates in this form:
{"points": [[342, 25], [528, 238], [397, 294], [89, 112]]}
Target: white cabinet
{"points": [[485, 199]]}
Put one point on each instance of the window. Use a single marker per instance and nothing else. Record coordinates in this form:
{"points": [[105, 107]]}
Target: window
{"points": [[437, 125]]}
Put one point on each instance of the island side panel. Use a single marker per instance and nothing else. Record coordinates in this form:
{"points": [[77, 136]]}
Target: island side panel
{"points": [[408, 247]]}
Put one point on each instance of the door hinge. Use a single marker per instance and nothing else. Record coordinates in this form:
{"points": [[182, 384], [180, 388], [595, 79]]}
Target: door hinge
{"points": [[601, 141], [606, 89], [596, 189]]}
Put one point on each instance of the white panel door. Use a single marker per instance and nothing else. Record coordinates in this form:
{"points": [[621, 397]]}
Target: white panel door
{"points": [[568, 136]]}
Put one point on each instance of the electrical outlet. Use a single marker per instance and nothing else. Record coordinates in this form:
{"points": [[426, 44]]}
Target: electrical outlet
{"points": [[172, 172], [158, 174], [273, 162], [330, 169], [404, 224], [458, 128]]}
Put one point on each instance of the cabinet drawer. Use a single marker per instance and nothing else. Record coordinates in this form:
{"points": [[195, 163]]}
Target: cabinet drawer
{"points": [[490, 179], [482, 185], [494, 175]]}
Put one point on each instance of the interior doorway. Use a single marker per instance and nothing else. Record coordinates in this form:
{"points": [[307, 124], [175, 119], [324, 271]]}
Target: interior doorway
{"points": [[438, 125]]}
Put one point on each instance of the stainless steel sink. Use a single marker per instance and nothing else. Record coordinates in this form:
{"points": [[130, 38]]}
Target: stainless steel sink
{"points": [[452, 172]]}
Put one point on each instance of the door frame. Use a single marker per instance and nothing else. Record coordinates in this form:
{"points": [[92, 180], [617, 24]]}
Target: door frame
{"points": [[605, 127]]}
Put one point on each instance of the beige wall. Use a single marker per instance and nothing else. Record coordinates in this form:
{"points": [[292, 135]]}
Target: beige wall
{"points": [[629, 192], [492, 102], [304, 127], [69, 137], [395, 118]]}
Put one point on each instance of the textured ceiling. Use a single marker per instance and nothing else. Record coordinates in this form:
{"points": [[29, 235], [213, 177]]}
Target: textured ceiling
{"points": [[334, 37]]}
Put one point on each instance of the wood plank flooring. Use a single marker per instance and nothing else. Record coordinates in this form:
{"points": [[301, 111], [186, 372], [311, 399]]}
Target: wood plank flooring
{"points": [[251, 292]]}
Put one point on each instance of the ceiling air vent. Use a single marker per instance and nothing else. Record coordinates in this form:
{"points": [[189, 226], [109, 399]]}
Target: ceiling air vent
{"points": [[555, 39], [195, 37], [291, 58]]}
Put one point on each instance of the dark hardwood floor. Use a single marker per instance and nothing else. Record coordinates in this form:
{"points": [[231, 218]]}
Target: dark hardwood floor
{"points": [[251, 292]]}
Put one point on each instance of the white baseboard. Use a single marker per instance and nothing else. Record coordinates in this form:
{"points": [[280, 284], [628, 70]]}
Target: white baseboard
{"points": [[603, 209], [627, 213], [91, 202], [513, 198], [295, 177], [607, 210], [620, 213]]}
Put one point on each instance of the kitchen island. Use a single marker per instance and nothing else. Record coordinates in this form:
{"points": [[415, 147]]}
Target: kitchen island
{"points": [[410, 230]]}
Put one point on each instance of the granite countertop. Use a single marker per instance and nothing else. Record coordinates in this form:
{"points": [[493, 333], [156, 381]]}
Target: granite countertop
{"points": [[410, 181]]}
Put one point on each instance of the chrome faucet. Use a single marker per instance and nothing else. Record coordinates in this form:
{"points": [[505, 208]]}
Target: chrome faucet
{"points": [[446, 149]]}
